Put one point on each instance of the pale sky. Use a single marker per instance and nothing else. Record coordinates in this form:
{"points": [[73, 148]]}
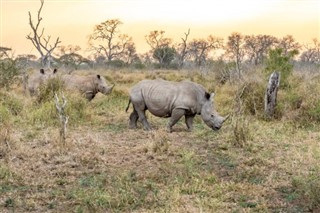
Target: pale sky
{"points": [[73, 20]]}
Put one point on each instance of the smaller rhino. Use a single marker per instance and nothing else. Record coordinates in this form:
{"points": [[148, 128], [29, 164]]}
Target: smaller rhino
{"points": [[38, 78], [87, 85]]}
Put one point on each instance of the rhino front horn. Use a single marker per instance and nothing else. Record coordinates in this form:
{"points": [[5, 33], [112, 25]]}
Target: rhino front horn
{"points": [[226, 118]]}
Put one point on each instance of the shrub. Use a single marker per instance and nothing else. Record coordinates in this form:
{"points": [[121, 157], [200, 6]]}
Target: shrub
{"points": [[308, 189], [116, 63], [278, 61], [8, 70], [252, 97], [48, 89], [301, 102], [10, 103], [223, 71]]}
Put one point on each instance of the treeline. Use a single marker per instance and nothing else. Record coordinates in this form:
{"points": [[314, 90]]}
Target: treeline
{"points": [[109, 47]]}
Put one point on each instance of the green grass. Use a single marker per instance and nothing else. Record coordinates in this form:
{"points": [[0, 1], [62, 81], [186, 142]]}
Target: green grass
{"points": [[250, 165]]}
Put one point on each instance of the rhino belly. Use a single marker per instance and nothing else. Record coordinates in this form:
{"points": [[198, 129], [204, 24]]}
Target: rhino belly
{"points": [[159, 109]]}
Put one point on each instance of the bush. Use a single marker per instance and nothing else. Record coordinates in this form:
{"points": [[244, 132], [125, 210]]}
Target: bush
{"points": [[223, 71], [10, 103], [46, 113], [116, 63], [139, 66], [278, 61], [252, 95], [48, 89], [308, 189], [8, 70], [301, 102]]}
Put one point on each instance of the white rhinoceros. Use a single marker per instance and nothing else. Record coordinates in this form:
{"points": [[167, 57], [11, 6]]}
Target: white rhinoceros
{"points": [[38, 78], [172, 99], [88, 85]]}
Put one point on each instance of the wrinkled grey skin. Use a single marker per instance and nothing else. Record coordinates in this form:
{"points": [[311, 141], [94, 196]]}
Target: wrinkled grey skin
{"points": [[88, 85], [172, 99], [38, 78]]}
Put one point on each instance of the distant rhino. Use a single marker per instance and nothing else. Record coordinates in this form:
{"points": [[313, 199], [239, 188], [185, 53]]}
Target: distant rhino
{"points": [[37, 78], [88, 85], [172, 99]]}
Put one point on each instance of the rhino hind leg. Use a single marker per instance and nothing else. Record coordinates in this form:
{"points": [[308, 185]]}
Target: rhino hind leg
{"points": [[140, 108], [175, 117], [189, 122], [143, 119], [133, 119]]}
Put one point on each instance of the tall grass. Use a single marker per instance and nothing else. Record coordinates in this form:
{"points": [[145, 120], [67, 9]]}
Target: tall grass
{"points": [[249, 165]]}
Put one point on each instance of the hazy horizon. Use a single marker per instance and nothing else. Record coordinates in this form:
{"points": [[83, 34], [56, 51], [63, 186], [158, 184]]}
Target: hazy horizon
{"points": [[74, 20]]}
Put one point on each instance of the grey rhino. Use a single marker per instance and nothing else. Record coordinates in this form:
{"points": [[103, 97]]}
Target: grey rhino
{"points": [[88, 85], [38, 78], [172, 99]]}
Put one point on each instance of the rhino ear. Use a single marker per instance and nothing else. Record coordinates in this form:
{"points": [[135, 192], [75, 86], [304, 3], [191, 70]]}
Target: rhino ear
{"points": [[42, 71], [98, 76]]}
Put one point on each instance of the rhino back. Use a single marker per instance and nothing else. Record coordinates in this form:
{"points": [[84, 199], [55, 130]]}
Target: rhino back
{"points": [[77, 82]]}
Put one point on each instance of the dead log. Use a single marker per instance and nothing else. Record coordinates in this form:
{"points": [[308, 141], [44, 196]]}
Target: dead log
{"points": [[271, 94]]}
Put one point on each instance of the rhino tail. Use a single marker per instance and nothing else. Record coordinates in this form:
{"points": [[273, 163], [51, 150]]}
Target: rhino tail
{"points": [[128, 105]]}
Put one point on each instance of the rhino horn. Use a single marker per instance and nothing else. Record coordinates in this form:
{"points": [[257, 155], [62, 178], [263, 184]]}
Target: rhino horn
{"points": [[226, 118]]}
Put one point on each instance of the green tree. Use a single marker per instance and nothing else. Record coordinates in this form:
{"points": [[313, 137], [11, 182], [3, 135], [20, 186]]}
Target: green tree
{"points": [[164, 55], [281, 62], [8, 68]]}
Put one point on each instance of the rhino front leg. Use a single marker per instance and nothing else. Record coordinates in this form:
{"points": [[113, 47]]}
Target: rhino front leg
{"points": [[189, 122], [133, 119], [175, 117]]}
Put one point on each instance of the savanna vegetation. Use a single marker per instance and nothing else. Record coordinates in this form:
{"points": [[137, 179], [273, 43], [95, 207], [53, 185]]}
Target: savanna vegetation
{"points": [[254, 163]]}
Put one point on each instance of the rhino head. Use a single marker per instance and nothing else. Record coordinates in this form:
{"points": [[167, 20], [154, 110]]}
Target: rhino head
{"points": [[209, 115], [102, 86]]}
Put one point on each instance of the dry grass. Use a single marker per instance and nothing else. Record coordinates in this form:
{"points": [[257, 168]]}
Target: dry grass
{"points": [[106, 167]]}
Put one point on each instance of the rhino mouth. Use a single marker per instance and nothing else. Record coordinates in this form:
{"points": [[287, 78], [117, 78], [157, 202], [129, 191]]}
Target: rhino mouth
{"points": [[215, 128]]}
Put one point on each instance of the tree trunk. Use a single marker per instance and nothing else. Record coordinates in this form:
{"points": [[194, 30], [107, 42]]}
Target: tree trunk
{"points": [[271, 94]]}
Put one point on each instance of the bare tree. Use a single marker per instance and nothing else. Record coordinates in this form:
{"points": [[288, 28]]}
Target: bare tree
{"points": [[235, 50], [42, 44], [257, 47], [156, 39], [288, 44], [68, 49], [115, 45], [200, 48], [183, 50], [69, 56], [130, 54], [311, 53]]}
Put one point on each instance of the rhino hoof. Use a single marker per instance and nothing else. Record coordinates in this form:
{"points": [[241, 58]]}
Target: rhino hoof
{"points": [[147, 128], [132, 127]]}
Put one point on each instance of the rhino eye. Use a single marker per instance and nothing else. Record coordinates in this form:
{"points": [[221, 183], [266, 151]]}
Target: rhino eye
{"points": [[212, 116]]}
